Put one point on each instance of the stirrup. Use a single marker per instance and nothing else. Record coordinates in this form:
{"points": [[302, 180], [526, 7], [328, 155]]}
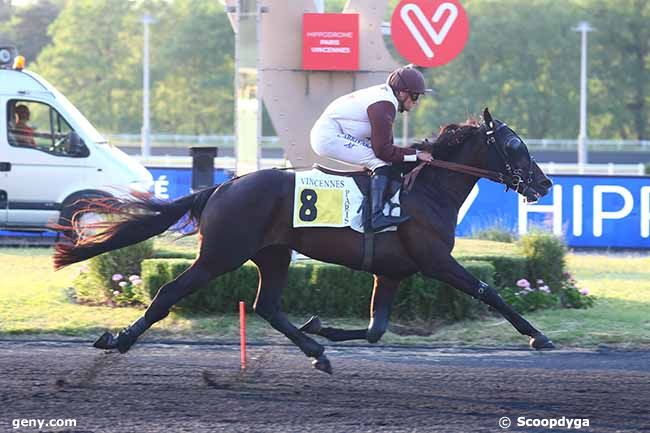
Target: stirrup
{"points": [[382, 222]]}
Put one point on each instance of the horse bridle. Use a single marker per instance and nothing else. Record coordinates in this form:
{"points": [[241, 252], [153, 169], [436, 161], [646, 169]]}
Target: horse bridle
{"points": [[511, 178]]}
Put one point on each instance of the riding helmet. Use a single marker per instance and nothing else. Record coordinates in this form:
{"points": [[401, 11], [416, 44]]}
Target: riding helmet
{"points": [[408, 79]]}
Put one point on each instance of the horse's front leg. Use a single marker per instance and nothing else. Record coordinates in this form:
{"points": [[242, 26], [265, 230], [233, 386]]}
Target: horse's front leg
{"points": [[383, 295], [448, 270]]}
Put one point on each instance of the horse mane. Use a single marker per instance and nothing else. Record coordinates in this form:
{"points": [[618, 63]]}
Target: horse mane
{"points": [[450, 137]]}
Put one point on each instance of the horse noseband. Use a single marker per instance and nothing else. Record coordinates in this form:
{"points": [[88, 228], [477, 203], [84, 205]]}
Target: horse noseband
{"points": [[516, 179]]}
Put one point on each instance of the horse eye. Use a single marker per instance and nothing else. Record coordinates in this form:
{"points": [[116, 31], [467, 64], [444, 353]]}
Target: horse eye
{"points": [[513, 143]]}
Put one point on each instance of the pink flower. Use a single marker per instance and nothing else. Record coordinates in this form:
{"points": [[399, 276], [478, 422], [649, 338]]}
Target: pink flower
{"points": [[132, 278], [523, 283], [540, 282], [136, 282], [584, 291], [117, 277], [123, 284]]}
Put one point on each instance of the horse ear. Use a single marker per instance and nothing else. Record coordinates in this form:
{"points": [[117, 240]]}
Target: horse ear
{"points": [[487, 117]]}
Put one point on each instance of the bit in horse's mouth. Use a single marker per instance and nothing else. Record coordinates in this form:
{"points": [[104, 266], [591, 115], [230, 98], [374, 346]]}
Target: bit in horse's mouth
{"points": [[534, 199]]}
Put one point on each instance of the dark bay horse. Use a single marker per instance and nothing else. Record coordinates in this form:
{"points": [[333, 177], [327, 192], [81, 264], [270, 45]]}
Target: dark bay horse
{"points": [[250, 218]]}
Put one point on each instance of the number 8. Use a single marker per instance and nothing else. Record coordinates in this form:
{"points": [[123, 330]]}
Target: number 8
{"points": [[308, 211]]}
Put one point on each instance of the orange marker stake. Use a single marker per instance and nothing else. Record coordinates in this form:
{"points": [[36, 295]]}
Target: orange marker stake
{"points": [[242, 333]]}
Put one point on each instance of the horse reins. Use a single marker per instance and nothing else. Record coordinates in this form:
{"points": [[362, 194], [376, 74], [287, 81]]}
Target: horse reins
{"points": [[512, 178], [409, 179]]}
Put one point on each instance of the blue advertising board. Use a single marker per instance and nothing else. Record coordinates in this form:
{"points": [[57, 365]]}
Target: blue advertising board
{"points": [[172, 183], [588, 211]]}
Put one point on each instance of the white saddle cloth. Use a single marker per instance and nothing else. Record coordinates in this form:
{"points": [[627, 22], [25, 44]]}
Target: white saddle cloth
{"points": [[325, 200]]}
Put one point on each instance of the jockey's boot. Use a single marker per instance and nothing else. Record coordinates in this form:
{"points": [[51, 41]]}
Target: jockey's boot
{"points": [[379, 221]]}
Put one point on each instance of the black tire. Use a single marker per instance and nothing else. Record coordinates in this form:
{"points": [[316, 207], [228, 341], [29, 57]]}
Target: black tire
{"points": [[71, 205]]}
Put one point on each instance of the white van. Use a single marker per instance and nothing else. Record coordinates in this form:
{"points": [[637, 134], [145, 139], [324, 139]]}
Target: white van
{"points": [[50, 155]]}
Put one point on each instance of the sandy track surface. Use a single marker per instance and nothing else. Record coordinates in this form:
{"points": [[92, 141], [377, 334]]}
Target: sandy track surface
{"points": [[199, 388]]}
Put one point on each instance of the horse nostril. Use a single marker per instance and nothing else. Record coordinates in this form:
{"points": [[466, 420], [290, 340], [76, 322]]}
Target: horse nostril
{"points": [[546, 183]]}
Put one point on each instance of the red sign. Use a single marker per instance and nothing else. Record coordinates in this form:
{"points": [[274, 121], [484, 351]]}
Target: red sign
{"points": [[429, 32], [330, 42]]}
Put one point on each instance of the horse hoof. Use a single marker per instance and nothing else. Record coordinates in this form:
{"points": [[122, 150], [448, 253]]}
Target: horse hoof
{"points": [[312, 326], [541, 342], [106, 342], [323, 364]]}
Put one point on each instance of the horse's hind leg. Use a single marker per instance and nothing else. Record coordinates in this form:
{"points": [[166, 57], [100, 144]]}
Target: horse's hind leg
{"points": [[199, 274], [383, 295], [273, 263]]}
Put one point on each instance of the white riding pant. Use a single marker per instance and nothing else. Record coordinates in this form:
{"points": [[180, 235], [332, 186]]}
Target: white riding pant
{"points": [[328, 140]]}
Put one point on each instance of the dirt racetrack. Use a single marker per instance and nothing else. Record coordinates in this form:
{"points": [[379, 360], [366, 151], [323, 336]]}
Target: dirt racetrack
{"points": [[198, 388]]}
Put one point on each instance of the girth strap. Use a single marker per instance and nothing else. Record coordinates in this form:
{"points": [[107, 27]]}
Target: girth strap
{"points": [[368, 250]]}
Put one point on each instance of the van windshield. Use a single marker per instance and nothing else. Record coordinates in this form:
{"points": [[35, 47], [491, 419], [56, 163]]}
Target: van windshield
{"points": [[85, 127]]}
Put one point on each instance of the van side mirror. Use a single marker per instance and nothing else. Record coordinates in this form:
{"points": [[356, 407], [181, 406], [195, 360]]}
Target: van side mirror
{"points": [[76, 145], [75, 141]]}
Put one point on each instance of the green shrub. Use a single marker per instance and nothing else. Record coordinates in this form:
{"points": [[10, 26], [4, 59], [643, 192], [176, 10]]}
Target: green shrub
{"points": [[528, 297], [525, 297], [325, 289], [545, 254], [572, 296], [300, 285], [113, 277], [333, 290], [220, 295], [155, 273], [162, 253], [339, 291], [507, 269], [88, 288], [423, 298], [496, 234]]}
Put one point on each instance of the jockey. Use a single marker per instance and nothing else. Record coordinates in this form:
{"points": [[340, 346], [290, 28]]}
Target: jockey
{"points": [[357, 128]]}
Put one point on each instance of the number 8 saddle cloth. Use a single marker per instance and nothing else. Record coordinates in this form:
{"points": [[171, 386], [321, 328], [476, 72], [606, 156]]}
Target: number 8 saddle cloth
{"points": [[329, 198]]}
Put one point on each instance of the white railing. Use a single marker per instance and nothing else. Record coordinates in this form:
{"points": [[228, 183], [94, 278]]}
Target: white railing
{"points": [[224, 162], [228, 141], [548, 167], [597, 145], [608, 169], [184, 141]]}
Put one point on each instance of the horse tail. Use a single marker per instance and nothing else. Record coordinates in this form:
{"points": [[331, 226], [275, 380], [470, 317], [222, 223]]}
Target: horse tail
{"points": [[132, 219]]}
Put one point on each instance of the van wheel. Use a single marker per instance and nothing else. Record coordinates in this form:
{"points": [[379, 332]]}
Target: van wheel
{"points": [[71, 206]]}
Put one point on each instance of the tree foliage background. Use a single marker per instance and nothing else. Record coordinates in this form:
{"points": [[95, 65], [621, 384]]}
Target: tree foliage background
{"points": [[522, 60]]}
